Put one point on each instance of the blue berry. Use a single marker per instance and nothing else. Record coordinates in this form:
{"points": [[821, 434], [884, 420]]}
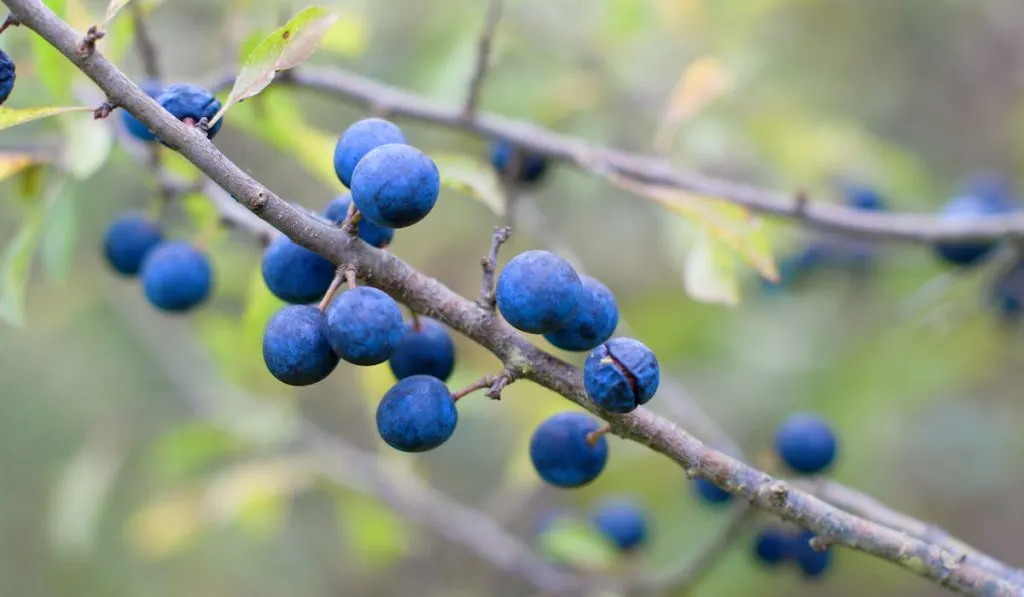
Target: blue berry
{"points": [[424, 350], [372, 234], [806, 443], [7, 76], [621, 375], [1007, 292], [395, 185], [188, 102], [176, 276], [623, 522], [364, 326], [417, 414], [531, 167], [357, 140], [537, 292], [295, 348], [127, 242], [773, 546], [983, 196], [812, 563], [711, 493], [862, 197], [561, 454], [132, 124], [295, 274], [593, 321]]}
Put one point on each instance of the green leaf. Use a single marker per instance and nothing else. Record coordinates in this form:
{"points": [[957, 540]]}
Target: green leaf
{"points": [[377, 538], [81, 492], [472, 177], [254, 495], [58, 248], [87, 146], [578, 544], [112, 10], [710, 272], [200, 209], [348, 36], [188, 448], [285, 48], [52, 68], [10, 117], [17, 263]]}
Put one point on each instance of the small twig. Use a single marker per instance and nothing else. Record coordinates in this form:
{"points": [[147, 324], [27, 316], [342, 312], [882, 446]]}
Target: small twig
{"points": [[417, 323], [493, 383], [339, 279], [104, 110], [483, 57], [350, 225], [350, 277], [593, 436], [504, 379], [490, 264], [88, 45], [144, 43], [483, 382], [10, 21]]}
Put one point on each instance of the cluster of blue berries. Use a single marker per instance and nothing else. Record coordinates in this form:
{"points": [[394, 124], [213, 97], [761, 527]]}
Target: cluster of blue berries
{"points": [[7, 76]]}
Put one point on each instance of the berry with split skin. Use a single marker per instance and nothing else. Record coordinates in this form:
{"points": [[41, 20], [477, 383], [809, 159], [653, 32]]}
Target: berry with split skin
{"points": [[190, 104], [531, 166], [176, 276], [395, 185], [710, 493], [593, 322], [773, 546], [621, 375], [417, 414], [8, 74], [811, 562], [622, 521], [806, 443], [295, 348], [358, 139], [127, 242], [537, 292], [133, 125], [425, 349], [295, 274], [372, 234], [364, 326], [561, 453]]}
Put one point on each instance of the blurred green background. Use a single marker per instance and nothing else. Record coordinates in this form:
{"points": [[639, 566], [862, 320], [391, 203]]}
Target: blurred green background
{"points": [[111, 484]]}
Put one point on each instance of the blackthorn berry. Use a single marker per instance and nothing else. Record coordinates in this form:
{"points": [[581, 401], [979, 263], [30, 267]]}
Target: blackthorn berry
{"points": [[295, 347], [863, 197], [812, 563], [127, 242], [8, 74], [424, 350], [984, 195], [623, 522], [364, 326], [132, 124], [773, 546], [711, 493], [561, 453], [176, 276], [395, 185], [806, 443], [417, 414], [593, 321], [531, 166], [295, 274], [372, 234], [621, 375], [190, 104], [537, 292], [357, 140]]}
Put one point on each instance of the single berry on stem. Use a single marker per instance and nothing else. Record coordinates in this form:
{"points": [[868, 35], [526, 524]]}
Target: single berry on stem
{"points": [[372, 234], [523, 166], [537, 292], [8, 74], [772, 546], [295, 348], [806, 443], [364, 326], [127, 242], [417, 414], [133, 125], [176, 276], [425, 349], [191, 104], [621, 375], [622, 521], [357, 140], [395, 185], [294, 273], [561, 453], [592, 322], [811, 562]]}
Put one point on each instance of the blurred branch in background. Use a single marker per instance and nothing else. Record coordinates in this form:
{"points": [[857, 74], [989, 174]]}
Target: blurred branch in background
{"points": [[483, 57]]}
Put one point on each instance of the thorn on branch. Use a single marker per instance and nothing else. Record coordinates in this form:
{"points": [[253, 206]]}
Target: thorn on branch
{"points": [[88, 45], [489, 264], [350, 225], [10, 21], [104, 110]]}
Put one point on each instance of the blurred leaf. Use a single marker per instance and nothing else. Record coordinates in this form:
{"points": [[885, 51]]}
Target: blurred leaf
{"points": [[471, 176], [376, 536], [30, 183], [254, 495], [112, 10], [58, 248], [703, 81], [12, 163], [81, 492], [78, 16], [200, 210], [52, 68], [283, 49], [87, 146], [10, 117], [578, 544], [17, 263], [186, 449], [166, 525], [710, 272], [348, 36]]}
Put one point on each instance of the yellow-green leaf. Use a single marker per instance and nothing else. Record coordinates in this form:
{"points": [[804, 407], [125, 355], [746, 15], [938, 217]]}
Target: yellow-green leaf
{"points": [[12, 163], [254, 495], [703, 81], [10, 117], [81, 493], [113, 8], [281, 50], [578, 544], [348, 36], [472, 177], [375, 536], [709, 275], [17, 263], [188, 448], [87, 145], [166, 525], [200, 209], [58, 246]]}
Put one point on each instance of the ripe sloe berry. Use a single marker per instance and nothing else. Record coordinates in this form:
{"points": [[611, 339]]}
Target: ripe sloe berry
{"points": [[711, 493], [295, 348], [862, 197], [295, 274], [395, 185], [426, 350], [772, 546], [364, 326], [372, 234], [622, 521], [176, 276], [560, 451], [8, 74], [593, 321], [127, 242], [132, 124], [621, 375], [983, 195], [417, 414], [806, 443], [531, 166], [812, 563], [537, 292], [357, 140], [191, 102]]}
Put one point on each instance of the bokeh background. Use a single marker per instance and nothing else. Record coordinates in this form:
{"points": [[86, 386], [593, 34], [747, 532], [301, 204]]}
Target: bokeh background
{"points": [[112, 484]]}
